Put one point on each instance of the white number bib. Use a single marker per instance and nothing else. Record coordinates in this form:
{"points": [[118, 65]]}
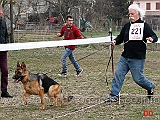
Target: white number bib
{"points": [[136, 31]]}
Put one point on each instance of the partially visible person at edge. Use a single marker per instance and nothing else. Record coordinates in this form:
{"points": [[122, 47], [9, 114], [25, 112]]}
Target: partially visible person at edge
{"points": [[134, 35], [70, 32], [4, 58]]}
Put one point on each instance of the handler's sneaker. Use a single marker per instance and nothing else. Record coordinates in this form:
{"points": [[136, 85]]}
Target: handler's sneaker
{"points": [[150, 93], [63, 74], [111, 100], [79, 71]]}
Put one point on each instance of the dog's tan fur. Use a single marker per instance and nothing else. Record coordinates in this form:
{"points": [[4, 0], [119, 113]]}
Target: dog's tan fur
{"points": [[32, 87]]}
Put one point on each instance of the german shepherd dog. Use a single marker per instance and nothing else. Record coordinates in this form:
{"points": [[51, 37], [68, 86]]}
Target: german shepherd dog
{"points": [[39, 84]]}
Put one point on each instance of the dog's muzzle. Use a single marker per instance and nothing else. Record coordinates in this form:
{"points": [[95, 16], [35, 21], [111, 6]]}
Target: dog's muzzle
{"points": [[16, 78]]}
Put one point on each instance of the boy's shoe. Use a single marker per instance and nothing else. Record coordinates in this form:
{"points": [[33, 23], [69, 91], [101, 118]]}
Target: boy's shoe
{"points": [[79, 71], [150, 93], [6, 95], [111, 100], [63, 74]]}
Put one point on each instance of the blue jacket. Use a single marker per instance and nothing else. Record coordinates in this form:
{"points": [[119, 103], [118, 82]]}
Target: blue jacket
{"points": [[3, 32]]}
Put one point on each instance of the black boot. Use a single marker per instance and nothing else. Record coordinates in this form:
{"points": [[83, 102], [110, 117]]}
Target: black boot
{"points": [[150, 93], [6, 95]]}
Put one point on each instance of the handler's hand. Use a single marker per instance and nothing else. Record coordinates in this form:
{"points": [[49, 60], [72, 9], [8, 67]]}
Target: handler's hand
{"points": [[58, 34], [149, 39], [113, 42]]}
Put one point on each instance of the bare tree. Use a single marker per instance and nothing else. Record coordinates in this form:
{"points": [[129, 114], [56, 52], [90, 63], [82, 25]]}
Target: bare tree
{"points": [[115, 10]]}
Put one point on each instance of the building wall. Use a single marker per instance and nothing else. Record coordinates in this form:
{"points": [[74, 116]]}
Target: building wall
{"points": [[152, 16], [142, 4]]}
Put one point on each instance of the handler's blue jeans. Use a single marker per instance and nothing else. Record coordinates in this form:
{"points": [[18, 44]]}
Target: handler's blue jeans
{"points": [[136, 67], [68, 53]]}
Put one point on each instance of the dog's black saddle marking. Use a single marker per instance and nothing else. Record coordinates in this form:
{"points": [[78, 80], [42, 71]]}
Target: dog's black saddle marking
{"points": [[46, 81], [33, 76]]}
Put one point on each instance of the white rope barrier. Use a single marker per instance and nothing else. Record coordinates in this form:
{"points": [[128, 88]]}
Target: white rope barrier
{"points": [[80, 110], [43, 44]]}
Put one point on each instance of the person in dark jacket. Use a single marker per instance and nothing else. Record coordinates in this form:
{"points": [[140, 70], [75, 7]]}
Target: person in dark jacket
{"points": [[134, 35], [3, 57], [70, 32]]}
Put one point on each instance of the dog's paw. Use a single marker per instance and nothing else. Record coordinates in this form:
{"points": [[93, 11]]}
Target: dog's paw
{"points": [[25, 103], [59, 105], [51, 105], [41, 108]]}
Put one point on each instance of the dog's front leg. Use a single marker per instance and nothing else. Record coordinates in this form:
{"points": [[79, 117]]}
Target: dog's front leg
{"points": [[24, 97], [41, 94]]}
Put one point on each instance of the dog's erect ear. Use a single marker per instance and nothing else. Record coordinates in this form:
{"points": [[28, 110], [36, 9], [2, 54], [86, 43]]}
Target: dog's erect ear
{"points": [[23, 66], [18, 65]]}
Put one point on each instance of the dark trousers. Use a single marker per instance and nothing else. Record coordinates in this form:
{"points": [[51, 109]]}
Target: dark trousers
{"points": [[4, 70]]}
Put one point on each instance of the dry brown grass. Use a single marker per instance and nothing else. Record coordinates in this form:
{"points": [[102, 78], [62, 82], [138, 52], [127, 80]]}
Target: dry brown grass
{"points": [[88, 90]]}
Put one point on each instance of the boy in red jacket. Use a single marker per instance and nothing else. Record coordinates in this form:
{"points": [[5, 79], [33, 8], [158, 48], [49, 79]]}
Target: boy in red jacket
{"points": [[70, 32]]}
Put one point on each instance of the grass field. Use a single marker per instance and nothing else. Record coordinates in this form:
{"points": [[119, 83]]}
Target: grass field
{"points": [[89, 89]]}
